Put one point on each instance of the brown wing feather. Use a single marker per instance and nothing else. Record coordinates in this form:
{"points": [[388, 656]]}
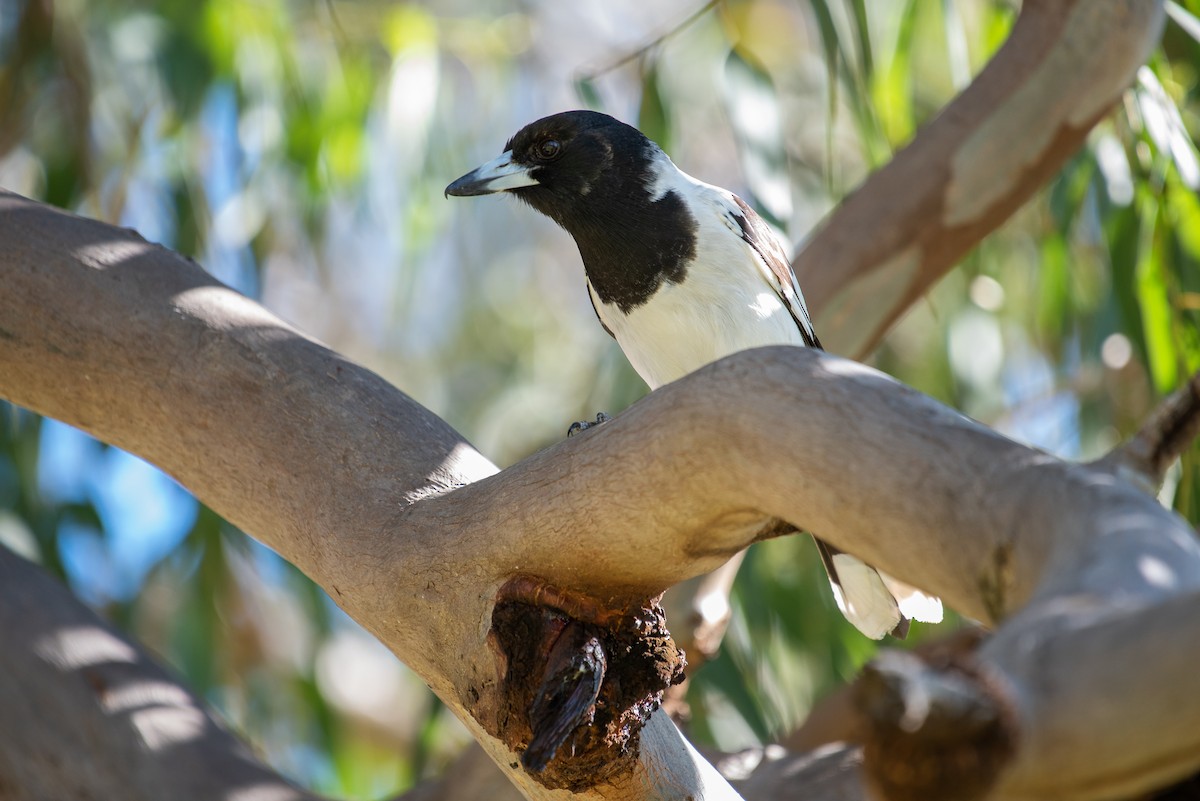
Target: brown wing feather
{"points": [[759, 236]]}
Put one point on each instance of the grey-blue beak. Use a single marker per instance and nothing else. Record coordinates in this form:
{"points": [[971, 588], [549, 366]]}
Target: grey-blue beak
{"points": [[498, 175]]}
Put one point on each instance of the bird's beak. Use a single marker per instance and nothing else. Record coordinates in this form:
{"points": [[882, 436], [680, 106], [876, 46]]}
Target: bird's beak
{"points": [[498, 175]]}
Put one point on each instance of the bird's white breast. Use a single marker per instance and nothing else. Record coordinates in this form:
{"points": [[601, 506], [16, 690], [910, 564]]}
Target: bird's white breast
{"points": [[723, 305]]}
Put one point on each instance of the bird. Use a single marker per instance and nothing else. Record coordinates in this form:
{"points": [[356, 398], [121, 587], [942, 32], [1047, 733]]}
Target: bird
{"points": [[680, 273]]}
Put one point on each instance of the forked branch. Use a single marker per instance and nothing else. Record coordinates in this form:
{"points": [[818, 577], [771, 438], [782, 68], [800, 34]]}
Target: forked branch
{"points": [[1163, 438]]}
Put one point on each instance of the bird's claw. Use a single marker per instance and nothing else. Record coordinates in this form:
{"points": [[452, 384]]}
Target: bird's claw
{"points": [[584, 425]]}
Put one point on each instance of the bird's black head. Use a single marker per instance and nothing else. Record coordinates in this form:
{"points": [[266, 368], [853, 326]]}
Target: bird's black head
{"points": [[563, 164], [595, 176]]}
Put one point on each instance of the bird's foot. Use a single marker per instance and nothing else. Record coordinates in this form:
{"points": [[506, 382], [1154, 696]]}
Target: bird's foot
{"points": [[584, 425]]}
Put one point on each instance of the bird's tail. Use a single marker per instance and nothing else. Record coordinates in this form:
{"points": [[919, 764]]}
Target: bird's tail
{"points": [[875, 603]]}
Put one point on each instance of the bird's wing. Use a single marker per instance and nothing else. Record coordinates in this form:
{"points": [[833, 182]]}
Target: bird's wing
{"points": [[914, 603], [774, 262], [861, 594]]}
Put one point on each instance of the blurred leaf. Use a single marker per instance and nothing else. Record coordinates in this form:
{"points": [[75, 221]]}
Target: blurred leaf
{"points": [[757, 119], [956, 44], [1068, 192], [229, 25], [1187, 494], [829, 44], [652, 114], [1165, 127], [844, 71], [585, 89], [1053, 295], [195, 639], [1184, 19], [64, 179], [862, 27], [187, 69], [890, 92], [999, 18], [428, 737], [726, 677], [1115, 169], [409, 26], [1184, 207], [83, 514], [343, 151], [1154, 300], [830, 41]]}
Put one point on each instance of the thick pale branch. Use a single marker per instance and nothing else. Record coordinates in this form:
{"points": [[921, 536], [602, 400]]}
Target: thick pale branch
{"points": [[1100, 681], [88, 715], [1065, 65], [315, 456], [262, 423], [831, 773], [353, 481]]}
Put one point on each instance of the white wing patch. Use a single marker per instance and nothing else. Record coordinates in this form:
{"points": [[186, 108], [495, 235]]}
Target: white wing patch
{"points": [[863, 597], [768, 254], [914, 603]]}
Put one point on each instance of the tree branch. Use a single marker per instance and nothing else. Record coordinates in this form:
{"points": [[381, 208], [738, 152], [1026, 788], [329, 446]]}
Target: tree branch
{"points": [[1162, 439], [1066, 63], [353, 481], [81, 699]]}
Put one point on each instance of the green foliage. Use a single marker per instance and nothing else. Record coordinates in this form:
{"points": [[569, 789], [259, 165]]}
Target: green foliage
{"points": [[299, 151]]}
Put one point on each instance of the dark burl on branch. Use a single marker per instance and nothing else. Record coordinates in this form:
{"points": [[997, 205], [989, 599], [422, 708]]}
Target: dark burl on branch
{"points": [[579, 681]]}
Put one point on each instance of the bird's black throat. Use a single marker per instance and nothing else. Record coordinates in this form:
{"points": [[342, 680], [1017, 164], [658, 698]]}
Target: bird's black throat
{"points": [[630, 242], [650, 243]]}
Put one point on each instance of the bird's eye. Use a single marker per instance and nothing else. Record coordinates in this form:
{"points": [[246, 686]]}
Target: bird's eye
{"points": [[549, 149]]}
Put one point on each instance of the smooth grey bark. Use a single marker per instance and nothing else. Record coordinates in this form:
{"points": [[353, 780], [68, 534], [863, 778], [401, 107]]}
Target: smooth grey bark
{"points": [[86, 714], [349, 479]]}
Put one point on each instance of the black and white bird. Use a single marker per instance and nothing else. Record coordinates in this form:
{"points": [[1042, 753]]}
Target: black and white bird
{"points": [[681, 273]]}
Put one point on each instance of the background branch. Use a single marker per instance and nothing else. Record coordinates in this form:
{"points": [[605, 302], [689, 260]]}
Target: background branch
{"points": [[1065, 64], [79, 696], [1163, 438]]}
